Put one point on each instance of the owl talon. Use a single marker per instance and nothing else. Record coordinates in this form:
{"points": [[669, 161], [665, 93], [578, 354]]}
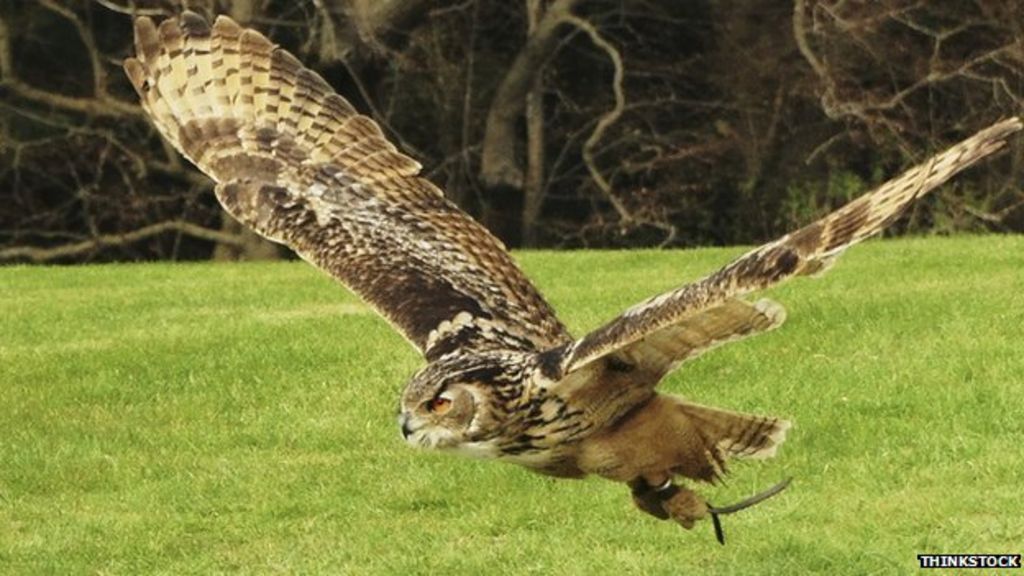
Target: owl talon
{"points": [[668, 501], [683, 506], [646, 498]]}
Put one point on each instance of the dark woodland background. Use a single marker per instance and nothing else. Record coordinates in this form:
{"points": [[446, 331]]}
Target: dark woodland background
{"points": [[558, 123]]}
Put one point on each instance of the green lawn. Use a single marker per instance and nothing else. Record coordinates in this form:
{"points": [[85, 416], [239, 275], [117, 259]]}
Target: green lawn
{"points": [[198, 419]]}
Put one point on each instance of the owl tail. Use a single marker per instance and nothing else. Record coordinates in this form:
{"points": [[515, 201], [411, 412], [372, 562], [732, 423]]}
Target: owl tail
{"points": [[732, 434]]}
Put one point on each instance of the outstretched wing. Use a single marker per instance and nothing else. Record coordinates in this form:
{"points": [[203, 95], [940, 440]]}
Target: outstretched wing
{"points": [[648, 328], [298, 164], [661, 351]]}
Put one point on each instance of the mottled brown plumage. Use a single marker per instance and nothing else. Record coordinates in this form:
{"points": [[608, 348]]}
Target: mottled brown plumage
{"points": [[294, 161], [504, 379]]}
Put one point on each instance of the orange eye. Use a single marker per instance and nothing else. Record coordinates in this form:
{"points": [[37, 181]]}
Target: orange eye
{"points": [[440, 405]]}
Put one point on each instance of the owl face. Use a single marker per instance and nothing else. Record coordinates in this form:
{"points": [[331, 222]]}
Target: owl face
{"points": [[453, 403], [437, 416]]}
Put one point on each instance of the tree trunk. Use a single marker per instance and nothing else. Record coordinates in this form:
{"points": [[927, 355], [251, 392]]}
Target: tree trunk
{"points": [[500, 169], [533, 186]]}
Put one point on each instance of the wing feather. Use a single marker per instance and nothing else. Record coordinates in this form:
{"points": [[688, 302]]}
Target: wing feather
{"points": [[808, 251], [294, 161], [661, 351]]}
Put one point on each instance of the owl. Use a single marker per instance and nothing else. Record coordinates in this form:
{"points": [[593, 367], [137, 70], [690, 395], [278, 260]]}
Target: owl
{"points": [[503, 379]]}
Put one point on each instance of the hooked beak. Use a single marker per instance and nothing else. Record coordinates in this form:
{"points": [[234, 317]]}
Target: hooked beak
{"points": [[403, 423]]}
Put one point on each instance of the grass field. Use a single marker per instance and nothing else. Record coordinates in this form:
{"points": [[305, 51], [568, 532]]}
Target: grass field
{"points": [[200, 419]]}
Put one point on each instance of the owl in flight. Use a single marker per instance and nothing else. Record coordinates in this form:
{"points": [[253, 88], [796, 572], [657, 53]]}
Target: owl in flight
{"points": [[504, 379]]}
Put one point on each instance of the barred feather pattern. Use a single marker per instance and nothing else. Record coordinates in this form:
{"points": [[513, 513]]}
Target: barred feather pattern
{"points": [[808, 251], [662, 351], [725, 434], [294, 161]]}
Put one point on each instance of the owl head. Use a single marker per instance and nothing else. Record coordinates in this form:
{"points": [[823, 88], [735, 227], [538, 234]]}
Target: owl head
{"points": [[454, 403]]}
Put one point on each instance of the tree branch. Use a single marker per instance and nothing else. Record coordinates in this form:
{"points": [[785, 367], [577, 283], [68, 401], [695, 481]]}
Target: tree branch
{"points": [[37, 255], [498, 164], [6, 60], [800, 35], [626, 216], [131, 9], [352, 25], [607, 119], [100, 105]]}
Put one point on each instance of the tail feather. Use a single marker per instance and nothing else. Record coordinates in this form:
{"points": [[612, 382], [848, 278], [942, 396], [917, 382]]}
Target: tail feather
{"points": [[735, 434]]}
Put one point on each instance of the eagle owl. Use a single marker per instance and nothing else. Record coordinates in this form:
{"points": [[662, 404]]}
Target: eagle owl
{"points": [[504, 379]]}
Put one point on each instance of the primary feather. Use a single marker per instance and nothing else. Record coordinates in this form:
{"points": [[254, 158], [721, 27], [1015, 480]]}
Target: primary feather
{"points": [[298, 164], [810, 250]]}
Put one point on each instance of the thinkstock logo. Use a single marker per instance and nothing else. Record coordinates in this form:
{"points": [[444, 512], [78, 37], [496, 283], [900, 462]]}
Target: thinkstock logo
{"points": [[969, 560]]}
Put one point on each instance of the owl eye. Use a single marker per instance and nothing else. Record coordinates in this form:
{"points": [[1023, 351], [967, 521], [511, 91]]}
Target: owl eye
{"points": [[440, 405]]}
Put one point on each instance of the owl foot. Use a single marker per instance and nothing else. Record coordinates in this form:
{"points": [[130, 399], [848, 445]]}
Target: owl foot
{"points": [[685, 507], [669, 501], [682, 505]]}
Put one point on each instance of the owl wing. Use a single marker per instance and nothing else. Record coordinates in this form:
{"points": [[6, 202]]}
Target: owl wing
{"points": [[707, 311], [294, 161], [662, 350]]}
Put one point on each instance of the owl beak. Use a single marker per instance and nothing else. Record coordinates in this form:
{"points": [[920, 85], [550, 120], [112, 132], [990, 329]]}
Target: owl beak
{"points": [[403, 422]]}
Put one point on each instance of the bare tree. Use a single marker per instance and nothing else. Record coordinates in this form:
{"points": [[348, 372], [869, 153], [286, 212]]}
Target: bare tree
{"points": [[557, 122], [907, 73], [70, 165], [77, 183]]}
